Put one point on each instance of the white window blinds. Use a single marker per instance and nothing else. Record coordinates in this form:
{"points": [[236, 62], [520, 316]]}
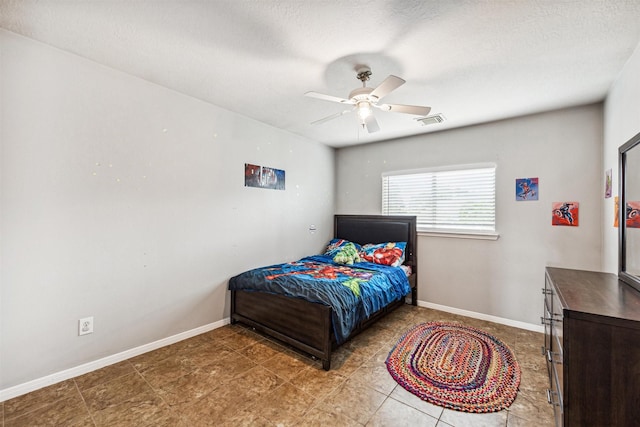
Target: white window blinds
{"points": [[460, 198]]}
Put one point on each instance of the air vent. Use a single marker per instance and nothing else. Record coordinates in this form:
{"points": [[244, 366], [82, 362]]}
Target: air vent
{"points": [[431, 120]]}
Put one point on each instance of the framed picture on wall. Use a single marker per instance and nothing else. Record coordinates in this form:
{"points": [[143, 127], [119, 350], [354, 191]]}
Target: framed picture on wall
{"points": [[526, 189], [263, 177], [565, 213]]}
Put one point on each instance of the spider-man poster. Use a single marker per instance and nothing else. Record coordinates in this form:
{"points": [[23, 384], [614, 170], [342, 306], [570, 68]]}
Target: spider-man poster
{"points": [[565, 213], [526, 189]]}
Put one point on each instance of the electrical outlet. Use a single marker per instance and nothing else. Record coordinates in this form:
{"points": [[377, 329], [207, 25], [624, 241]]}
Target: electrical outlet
{"points": [[85, 326]]}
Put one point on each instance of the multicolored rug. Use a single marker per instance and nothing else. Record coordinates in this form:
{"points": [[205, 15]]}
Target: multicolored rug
{"points": [[457, 367]]}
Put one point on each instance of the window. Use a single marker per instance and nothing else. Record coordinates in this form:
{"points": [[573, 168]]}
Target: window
{"points": [[458, 199]]}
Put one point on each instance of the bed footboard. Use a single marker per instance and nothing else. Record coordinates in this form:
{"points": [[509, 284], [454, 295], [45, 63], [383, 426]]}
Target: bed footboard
{"points": [[304, 325]]}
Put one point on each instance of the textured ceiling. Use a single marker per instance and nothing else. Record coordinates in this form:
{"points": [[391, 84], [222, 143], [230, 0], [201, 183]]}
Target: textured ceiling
{"points": [[472, 61]]}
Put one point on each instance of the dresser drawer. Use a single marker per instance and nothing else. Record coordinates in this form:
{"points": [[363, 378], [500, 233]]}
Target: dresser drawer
{"points": [[554, 394]]}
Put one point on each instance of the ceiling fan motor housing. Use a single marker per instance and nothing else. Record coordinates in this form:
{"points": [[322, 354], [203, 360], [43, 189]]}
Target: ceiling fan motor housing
{"points": [[362, 94]]}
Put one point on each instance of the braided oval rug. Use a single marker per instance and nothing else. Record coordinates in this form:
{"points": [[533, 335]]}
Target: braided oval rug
{"points": [[457, 367]]}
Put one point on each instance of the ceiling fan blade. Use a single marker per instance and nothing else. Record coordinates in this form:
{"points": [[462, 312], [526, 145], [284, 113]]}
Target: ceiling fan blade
{"points": [[331, 117], [327, 97], [406, 109], [389, 84], [371, 123]]}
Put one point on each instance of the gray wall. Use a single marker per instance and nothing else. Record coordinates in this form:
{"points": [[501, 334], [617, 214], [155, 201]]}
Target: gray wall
{"points": [[499, 278], [125, 201]]}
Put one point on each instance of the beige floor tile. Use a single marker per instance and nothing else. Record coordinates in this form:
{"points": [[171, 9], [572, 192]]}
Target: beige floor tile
{"points": [[402, 395], [319, 417], [242, 338], [208, 353], [189, 343], [374, 374], [219, 333], [226, 369], [465, 419], [170, 369], [354, 400], [24, 404], [153, 357], [70, 412], [189, 387], [247, 418], [515, 421], [346, 362], [221, 404], [143, 409], [287, 364], [397, 414], [532, 405], [258, 382], [318, 382], [285, 405], [115, 391], [106, 374], [261, 350]]}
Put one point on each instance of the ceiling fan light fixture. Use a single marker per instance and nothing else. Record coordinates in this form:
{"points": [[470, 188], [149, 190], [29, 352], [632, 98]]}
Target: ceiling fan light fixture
{"points": [[364, 109]]}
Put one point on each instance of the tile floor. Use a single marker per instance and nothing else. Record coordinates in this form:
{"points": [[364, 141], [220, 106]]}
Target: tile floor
{"points": [[234, 377]]}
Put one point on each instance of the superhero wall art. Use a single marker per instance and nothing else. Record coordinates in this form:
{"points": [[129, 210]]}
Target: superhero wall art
{"points": [[526, 189], [633, 214], [565, 213], [263, 177]]}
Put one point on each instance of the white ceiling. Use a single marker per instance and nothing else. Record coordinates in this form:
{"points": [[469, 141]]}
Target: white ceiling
{"points": [[472, 61]]}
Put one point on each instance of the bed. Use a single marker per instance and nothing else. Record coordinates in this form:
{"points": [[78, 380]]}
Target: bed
{"points": [[309, 325]]}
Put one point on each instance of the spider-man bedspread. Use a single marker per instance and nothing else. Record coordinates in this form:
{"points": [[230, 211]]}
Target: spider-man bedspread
{"points": [[354, 292]]}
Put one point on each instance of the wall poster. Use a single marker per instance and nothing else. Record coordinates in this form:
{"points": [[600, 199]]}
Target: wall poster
{"points": [[526, 189], [608, 184], [565, 213], [263, 177]]}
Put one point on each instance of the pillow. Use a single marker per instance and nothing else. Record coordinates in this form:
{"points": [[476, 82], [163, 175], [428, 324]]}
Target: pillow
{"points": [[390, 253], [336, 245], [348, 254]]}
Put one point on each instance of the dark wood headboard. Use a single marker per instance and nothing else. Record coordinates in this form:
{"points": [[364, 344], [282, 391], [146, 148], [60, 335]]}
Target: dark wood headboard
{"points": [[364, 229]]}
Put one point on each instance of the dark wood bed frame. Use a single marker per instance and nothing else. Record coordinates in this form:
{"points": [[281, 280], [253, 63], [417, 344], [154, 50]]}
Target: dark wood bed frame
{"points": [[306, 326]]}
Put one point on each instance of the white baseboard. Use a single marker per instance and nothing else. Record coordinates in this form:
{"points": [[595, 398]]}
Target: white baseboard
{"points": [[482, 316], [20, 389]]}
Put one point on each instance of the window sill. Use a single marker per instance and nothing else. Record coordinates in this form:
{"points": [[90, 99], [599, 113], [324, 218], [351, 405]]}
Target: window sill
{"points": [[477, 235]]}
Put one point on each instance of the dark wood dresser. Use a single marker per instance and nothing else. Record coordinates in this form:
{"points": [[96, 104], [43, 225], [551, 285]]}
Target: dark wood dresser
{"points": [[592, 347]]}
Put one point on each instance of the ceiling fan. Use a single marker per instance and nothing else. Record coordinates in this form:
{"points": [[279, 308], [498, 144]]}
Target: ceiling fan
{"points": [[364, 98]]}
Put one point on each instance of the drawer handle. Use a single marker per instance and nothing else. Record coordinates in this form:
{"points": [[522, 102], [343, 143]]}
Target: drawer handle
{"points": [[550, 399], [546, 291], [551, 355], [546, 321]]}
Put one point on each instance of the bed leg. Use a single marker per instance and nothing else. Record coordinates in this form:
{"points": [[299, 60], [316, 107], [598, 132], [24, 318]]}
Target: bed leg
{"points": [[414, 296], [326, 364]]}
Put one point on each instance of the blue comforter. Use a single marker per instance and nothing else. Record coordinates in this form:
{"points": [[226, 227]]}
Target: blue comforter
{"points": [[353, 292]]}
